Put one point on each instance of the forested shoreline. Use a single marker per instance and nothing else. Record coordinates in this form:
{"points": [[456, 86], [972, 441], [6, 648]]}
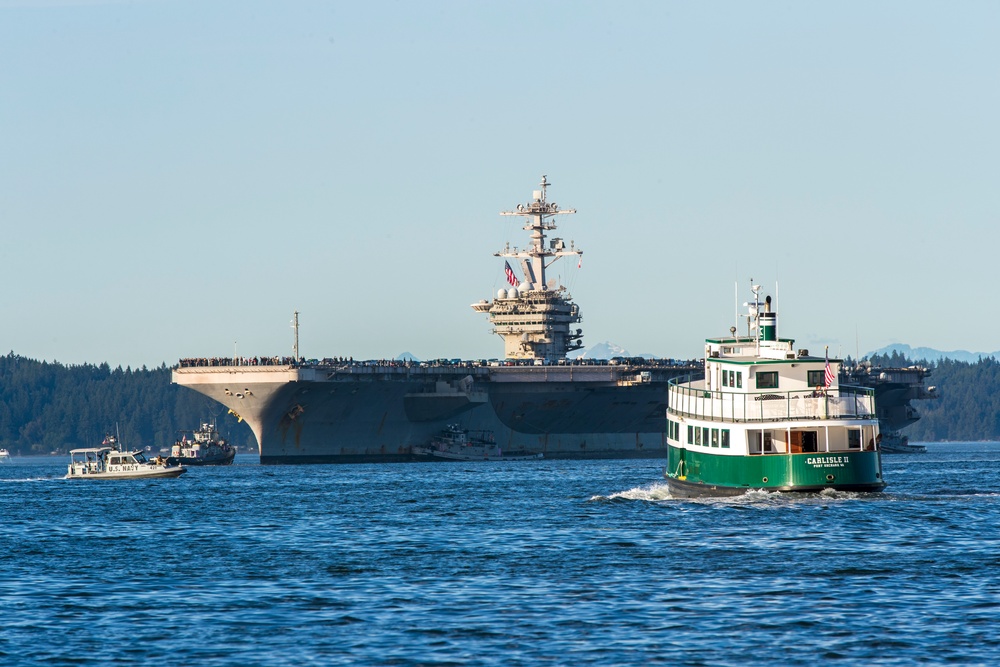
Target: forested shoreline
{"points": [[48, 407]]}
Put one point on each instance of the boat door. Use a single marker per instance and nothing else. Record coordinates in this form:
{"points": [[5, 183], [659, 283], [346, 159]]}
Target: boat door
{"points": [[804, 442]]}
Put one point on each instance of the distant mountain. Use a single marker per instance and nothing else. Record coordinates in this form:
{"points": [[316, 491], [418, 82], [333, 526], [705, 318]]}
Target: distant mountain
{"points": [[930, 354], [605, 350], [406, 356]]}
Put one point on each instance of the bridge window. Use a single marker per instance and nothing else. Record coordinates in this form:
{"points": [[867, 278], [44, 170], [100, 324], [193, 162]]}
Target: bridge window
{"points": [[767, 380], [817, 378]]}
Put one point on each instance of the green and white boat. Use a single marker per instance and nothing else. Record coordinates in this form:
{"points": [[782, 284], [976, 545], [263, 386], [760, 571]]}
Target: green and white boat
{"points": [[767, 416]]}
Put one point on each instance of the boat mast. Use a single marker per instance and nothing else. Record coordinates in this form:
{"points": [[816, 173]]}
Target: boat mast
{"points": [[535, 259], [295, 327]]}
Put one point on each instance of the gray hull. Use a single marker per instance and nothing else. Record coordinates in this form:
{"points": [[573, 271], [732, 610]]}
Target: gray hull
{"points": [[369, 413]]}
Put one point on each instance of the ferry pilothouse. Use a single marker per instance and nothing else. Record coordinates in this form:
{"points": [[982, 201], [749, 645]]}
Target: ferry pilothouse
{"points": [[767, 416]]}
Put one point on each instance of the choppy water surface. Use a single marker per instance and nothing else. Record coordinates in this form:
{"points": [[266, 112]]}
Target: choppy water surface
{"points": [[517, 563]]}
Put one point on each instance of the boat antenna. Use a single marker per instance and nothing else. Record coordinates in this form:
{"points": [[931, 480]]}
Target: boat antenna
{"points": [[295, 327], [736, 305]]}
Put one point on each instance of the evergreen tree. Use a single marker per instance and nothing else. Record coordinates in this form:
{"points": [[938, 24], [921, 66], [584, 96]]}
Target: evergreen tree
{"points": [[48, 407]]}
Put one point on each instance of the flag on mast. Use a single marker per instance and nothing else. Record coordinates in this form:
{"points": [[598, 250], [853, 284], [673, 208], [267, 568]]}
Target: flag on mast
{"points": [[511, 278], [828, 373]]}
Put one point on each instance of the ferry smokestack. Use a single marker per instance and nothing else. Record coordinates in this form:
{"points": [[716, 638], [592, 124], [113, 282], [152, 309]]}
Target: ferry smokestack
{"points": [[768, 322]]}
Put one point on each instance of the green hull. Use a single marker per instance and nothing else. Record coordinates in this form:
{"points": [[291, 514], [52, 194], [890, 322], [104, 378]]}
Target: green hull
{"points": [[691, 474]]}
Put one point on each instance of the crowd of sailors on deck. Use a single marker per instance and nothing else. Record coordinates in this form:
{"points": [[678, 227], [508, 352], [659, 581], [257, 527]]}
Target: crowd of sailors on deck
{"points": [[410, 363], [239, 361]]}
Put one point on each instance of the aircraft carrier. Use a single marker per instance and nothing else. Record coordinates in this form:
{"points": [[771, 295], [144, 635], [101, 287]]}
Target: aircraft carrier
{"points": [[894, 389], [535, 399]]}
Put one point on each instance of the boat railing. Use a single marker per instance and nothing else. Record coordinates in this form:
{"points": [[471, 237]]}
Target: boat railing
{"points": [[845, 401]]}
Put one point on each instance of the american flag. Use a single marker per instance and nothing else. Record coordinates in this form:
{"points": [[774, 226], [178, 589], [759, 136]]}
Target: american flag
{"points": [[828, 374], [511, 278]]}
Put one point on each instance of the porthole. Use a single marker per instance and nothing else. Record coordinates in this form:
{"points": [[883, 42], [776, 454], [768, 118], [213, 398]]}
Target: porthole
{"points": [[765, 480], [829, 478]]}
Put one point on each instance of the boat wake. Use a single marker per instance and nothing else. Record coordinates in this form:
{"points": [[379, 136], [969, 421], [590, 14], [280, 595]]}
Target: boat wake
{"points": [[659, 492], [652, 492]]}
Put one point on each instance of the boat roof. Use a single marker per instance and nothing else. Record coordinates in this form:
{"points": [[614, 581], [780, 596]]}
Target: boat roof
{"points": [[91, 450]]}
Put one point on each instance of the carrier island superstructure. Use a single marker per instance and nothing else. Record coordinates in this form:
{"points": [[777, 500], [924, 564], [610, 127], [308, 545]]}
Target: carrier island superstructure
{"points": [[534, 399]]}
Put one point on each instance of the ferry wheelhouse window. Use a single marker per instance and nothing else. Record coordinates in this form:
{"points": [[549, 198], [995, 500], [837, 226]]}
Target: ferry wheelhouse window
{"points": [[768, 380], [816, 378]]}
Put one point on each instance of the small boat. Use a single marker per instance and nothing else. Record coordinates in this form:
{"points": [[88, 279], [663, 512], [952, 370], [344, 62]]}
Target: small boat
{"points": [[109, 462], [4, 455], [205, 448], [897, 443], [767, 416], [457, 444]]}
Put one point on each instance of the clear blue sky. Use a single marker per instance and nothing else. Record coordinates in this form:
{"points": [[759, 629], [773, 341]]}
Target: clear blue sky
{"points": [[177, 177]]}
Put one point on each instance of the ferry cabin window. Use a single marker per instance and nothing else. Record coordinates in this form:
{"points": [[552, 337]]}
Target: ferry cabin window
{"points": [[725, 438], [732, 379], [715, 437], [767, 380], [816, 378], [697, 436], [690, 434], [704, 436], [854, 439]]}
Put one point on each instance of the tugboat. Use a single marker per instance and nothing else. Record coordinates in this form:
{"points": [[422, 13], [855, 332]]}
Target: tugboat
{"points": [[457, 444], [767, 416], [205, 448], [110, 462]]}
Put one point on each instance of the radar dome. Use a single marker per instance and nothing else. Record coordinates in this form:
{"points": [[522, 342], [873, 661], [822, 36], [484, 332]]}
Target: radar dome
{"points": [[501, 294], [512, 293]]}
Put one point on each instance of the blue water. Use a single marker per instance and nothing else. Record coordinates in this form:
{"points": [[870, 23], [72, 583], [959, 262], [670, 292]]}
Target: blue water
{"points": [[516, 563]]}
